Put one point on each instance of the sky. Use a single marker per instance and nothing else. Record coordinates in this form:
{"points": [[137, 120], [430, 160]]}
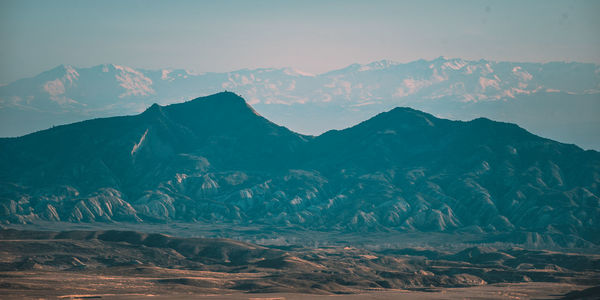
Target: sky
{"points": [[313, 36]]}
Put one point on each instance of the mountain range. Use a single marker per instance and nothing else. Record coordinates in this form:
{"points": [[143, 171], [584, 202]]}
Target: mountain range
{"points": [[558, 100], [216, 160]]}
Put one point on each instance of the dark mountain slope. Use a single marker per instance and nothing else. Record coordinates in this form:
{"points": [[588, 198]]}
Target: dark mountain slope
{"points": [[126, 157], [214, 159], [420, 171], [211, 125]]}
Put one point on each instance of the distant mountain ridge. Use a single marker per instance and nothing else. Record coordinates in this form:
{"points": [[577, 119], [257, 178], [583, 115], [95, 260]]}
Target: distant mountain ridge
{"points": [[558, 100], [214, 159]]}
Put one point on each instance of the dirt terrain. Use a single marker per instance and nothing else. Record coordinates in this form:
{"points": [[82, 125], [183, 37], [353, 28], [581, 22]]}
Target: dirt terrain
{"points": [[127, 264]]}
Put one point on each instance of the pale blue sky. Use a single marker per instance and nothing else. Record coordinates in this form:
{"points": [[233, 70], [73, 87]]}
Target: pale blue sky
{"points": [[314, 36]]}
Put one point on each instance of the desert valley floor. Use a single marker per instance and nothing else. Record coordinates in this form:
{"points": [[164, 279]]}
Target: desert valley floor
{"points": [[86, 263]]}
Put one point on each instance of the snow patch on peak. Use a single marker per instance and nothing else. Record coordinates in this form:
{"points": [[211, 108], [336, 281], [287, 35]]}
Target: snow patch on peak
{"points": [[377, 65], [410, 86], [456, 64], [296, 72], [58, 87], [486, 82], [524, 75], [124, 68], [470, 69], [54, 87], [363, 68], [165, 75], [488, 68], [71, 73], [134, 82]]}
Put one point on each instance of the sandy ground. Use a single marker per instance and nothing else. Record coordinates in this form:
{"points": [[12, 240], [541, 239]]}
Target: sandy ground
{"points": [[139, 288], [494, 291], [116, 265]]}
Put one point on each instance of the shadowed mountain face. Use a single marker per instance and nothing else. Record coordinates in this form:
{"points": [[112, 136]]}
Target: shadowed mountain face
{"points": [[213, 159], [558, 100]]}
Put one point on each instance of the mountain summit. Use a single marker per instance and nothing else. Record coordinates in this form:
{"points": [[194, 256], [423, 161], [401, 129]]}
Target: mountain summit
{"points": [[459, 89], [214, 159]]}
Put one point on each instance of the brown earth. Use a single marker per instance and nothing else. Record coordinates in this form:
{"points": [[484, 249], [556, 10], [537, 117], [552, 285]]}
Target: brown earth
{"points": [[128, 264]]}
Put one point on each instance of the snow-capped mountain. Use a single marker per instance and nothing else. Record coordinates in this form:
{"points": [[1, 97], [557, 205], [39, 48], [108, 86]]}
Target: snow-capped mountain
{"points": [[557, 100]]}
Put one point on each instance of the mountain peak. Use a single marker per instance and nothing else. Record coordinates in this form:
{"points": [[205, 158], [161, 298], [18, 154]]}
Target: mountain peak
{"points": [[223, 105], [226, 109], [381, 64], [407, 115], [225, 96], [441, 58], [106, 67], [223, 101], [295, 72], [211, 159], [154, 108], [61, 70]]}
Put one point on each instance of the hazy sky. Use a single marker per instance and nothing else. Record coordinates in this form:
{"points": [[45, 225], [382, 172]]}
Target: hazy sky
{"points": [[314, 36]]}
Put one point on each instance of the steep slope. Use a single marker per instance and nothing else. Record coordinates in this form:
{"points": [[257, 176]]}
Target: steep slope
{"points": [[92, 167], [522, 93], [418, 171], [214, 159]]}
